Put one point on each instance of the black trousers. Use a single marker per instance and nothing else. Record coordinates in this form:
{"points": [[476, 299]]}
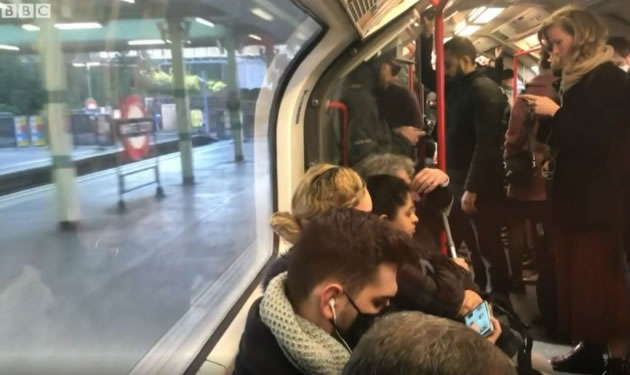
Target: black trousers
{"points": [[482, 235]]}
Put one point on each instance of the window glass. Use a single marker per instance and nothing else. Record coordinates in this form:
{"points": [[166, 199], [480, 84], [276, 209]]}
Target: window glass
{"points": [[135, 186]]}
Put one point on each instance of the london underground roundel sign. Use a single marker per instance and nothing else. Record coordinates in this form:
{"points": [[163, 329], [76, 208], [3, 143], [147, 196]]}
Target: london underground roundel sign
{"points": [[135, 128]]}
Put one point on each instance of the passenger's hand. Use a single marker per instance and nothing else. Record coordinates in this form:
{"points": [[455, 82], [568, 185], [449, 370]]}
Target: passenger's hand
{"points": [[428, 25], [496, 333], [412, 134], [462, 263], [471, 300], [469, 203], [427, 180], [541, 105], [498, 51]]}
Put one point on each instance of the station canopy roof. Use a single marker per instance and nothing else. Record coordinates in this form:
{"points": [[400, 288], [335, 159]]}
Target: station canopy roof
{"points": [[120, 25]]}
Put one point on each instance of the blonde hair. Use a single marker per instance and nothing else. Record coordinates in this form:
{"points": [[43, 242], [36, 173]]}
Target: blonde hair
{"points": [[589, 33], [323, 187]]}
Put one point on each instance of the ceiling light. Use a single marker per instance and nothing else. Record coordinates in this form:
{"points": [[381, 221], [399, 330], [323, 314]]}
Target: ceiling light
{"points": [[78, 65], [146, 42], [472, 16], [469, 30], [129, 1], [78, 26], [9, 48], [262, 14], [95, 63], [204, 21], [255, 37], [486, 15], [460, 26], [29, 27]]}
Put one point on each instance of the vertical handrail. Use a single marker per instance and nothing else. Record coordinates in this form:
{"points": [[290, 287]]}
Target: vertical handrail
{"points": [[335, 104], [440, 92], [440, 84], [515, 81]]}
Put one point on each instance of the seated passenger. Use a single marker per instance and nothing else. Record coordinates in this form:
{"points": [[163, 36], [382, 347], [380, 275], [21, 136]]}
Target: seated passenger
{"points": [[413, 343], [341, 276], [449, 291], [369, 134], [322, 188], [429, 188]]}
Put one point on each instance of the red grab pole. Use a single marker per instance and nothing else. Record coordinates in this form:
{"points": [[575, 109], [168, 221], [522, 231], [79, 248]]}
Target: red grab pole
{"points": [[440, 86]]}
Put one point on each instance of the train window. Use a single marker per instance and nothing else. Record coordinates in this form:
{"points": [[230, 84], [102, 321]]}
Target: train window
{"points": [[135, 174]]}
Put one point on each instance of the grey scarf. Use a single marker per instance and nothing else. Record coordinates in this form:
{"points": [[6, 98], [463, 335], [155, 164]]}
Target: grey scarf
{"points": [[309, 348]]}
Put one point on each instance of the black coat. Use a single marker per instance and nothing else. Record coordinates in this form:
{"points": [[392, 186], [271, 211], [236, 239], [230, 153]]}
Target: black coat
{"points": [[368, 132], [259, 352], [590, 134], [476, 119]]}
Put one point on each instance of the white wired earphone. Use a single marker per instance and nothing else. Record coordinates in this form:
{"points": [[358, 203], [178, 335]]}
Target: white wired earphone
{"points": [[331, 303]]}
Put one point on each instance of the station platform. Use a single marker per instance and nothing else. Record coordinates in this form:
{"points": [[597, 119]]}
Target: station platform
{"points": [[128, 291]]}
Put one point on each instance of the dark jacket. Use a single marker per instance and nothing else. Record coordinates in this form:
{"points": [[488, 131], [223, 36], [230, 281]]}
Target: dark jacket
{"points": [[521, 136], [259, 352], [476, 120], [435, 285], [368, 133], [590, 134], [399, 107]]}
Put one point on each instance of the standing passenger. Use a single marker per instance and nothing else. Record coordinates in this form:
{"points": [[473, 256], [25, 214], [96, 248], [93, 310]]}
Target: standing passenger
{"points": [[527, 189], [589, 132], [475, 119]]}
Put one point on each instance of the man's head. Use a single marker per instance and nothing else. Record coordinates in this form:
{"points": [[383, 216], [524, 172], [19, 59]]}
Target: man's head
{"points": [[342, 270], [622, 51], [507, 78], [459, 57], [414, 343], [391, 164], [392, 201], [387, 72]]}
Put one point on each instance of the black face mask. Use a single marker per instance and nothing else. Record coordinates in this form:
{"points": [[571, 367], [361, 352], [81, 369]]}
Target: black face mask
{"points": [[361, 324]]}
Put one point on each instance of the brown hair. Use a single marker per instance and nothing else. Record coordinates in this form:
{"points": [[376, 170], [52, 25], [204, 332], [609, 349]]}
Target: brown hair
{"points": [[323, 187], [588, 31], [347, 246]]}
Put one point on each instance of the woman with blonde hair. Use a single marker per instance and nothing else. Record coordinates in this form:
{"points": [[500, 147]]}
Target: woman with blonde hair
{"points": [[588, 133], [323, 187]]}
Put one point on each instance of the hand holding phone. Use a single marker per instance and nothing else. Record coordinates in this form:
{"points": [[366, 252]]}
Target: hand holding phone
{"points": [[480, 318]]}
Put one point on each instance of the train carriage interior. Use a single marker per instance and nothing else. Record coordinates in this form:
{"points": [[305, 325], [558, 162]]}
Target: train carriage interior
{"points": [[140, 250]]}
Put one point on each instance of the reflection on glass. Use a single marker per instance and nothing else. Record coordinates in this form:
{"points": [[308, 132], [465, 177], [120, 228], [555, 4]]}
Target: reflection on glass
{"points": [[84, 284]]}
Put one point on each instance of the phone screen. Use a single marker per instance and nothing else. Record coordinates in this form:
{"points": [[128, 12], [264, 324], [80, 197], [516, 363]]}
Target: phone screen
{"points": [[480, 316]]}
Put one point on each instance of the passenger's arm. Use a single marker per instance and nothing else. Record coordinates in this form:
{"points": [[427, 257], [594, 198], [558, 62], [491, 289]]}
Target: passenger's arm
{"points": [[490, 106], [517, 133], [426, 50], [499, 66], [363, 143], [418, 291]]}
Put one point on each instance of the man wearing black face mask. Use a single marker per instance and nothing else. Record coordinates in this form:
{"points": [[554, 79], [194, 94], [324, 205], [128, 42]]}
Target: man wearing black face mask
{"points": [[476, 119], [341, 276]]}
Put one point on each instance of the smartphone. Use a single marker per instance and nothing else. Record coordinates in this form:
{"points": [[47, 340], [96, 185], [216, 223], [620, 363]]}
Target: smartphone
{"points": [[480, 316]]}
